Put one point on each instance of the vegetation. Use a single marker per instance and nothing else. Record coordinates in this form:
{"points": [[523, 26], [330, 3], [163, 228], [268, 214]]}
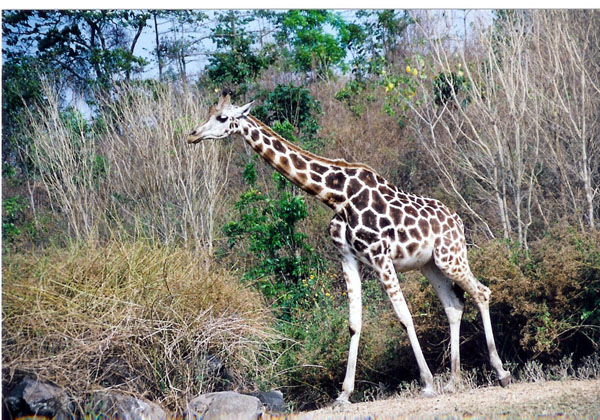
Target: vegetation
{"points": [[187, 269]]}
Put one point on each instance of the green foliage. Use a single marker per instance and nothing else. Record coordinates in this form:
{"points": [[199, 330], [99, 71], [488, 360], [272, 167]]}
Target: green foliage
{"points": [[87, 47], [296, 106], [21, 88], [401, 88], [12, 209], [375, 40], [285, 266], [451, 86], [357, 96], [312, 46], [234, 63]]}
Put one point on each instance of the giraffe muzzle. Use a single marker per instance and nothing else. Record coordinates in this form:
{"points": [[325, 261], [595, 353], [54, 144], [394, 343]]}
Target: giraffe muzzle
{"points": [[194, 137]]}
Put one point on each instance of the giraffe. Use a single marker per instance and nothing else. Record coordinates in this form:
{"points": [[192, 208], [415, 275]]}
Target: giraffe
{"points": [[378, 225]]}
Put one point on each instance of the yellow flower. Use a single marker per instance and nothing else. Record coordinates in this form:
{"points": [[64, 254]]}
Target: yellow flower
{"points": [[383, 72], [414, 72], [311, 277], [390, 86], [408, 70]]}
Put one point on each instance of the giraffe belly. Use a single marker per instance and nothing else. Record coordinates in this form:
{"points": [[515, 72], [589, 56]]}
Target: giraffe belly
{"points": [[407, 257]]}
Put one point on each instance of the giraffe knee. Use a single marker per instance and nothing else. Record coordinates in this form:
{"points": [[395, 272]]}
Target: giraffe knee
{"points": [[354, 328], [482, 294]]}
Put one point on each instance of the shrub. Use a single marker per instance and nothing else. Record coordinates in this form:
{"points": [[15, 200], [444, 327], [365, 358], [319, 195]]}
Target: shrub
{"points": [[283, 264], [545, 301], [298, 107], [138, 317], [131, 168]]}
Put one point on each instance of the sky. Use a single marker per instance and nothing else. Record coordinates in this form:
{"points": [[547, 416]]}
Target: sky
{"points": [[295, 4], [146, 43]]}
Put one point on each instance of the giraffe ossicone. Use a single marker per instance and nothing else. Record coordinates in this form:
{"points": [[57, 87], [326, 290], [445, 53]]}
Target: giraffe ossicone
{"points": [[376, 224]]}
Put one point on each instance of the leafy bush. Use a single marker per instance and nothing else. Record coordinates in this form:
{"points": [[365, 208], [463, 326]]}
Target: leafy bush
{"points": [[546, 301], [450, 85], [299, 108], [12, 207], [284, 265]]}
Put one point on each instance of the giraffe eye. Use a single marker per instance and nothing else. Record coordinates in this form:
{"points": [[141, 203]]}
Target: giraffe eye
{"points": [[221, 118]]}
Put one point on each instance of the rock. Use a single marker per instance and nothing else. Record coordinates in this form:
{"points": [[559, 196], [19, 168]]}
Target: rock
{"points": [[214, 368], [124, 407], [224, 405], [271, 400], [32, 397]]}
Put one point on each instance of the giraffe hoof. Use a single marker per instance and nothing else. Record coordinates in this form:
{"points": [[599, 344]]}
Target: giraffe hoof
{"points": [[428, 393], [340, 404], [451, 387], [505, 380]]}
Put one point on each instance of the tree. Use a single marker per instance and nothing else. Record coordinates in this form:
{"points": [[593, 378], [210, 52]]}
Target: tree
{"points": [[83, 49], [81, 45], [308, 42], [235, 63], [567, 63], [182, 42]]}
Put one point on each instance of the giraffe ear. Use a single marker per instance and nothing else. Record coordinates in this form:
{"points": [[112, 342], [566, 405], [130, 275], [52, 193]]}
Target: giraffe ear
{"points": [[224, 100], [243, 111]]}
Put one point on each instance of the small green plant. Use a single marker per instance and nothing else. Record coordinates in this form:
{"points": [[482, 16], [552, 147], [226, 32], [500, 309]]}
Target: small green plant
{"points": [[356, 95], [12, 210], [451, 85], [285, 266]]}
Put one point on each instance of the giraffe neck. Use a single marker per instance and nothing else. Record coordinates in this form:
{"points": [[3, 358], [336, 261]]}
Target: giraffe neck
{"points": [[324, 178]]}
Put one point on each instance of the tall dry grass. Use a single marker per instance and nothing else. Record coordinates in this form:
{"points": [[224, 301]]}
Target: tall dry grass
{"points": [[132, 170], [141, 318]]}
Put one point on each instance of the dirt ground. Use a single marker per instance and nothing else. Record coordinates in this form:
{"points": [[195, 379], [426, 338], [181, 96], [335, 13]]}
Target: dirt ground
{"points": [[546, 400]]}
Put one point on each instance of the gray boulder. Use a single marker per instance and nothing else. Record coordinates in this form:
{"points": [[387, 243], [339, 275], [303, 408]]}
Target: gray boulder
{"points": [[32, 397], [271, 400], [224, 405], [125, 407]]}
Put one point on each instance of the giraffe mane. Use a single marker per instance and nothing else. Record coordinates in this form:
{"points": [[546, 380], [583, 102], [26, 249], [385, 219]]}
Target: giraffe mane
{"points": [[343, 163]]}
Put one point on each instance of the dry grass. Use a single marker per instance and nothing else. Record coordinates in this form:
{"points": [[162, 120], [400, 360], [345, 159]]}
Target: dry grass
{"points": [[132, 169], [141, 318]]}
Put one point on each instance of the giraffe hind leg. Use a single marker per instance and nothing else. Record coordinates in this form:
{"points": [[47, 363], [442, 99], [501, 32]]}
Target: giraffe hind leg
{"points": [[459, 272], [453, 306]]}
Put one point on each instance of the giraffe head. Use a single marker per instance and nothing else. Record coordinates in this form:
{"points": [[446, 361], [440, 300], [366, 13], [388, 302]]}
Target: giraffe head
{"points": [[222, 120]]}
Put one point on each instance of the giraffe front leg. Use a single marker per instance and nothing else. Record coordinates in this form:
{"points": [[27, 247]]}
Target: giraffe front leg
{"points": [[387, 275], [352, 277]]}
